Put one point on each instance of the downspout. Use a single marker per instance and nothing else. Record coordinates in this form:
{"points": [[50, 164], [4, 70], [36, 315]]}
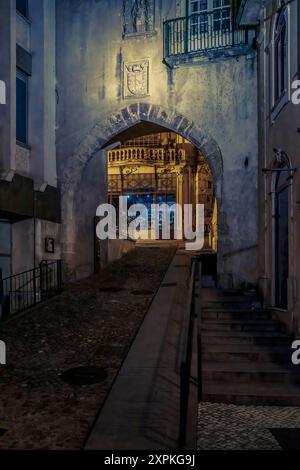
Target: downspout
{"points": [[34, 228]]}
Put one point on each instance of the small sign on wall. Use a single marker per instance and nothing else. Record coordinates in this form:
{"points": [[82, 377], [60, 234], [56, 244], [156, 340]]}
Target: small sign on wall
{"points": [[49, 245]]}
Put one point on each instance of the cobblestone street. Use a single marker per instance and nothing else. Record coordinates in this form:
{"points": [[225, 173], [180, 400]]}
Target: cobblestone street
{"points": [[231, 427], [92, 323]]}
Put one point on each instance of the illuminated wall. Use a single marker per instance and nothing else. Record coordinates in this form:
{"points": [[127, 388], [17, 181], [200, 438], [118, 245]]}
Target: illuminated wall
{"points": [[210, 97], [162, 167]]}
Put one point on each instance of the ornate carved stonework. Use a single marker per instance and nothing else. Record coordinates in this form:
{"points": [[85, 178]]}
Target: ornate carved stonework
{"points": [[136, 81], [138, 16]]}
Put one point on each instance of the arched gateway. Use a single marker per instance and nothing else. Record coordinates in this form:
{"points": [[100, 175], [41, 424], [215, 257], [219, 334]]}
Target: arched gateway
{"points": [[85, 172]]}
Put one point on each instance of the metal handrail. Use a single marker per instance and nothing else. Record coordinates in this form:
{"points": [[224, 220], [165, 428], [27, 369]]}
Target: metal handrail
{"points": [[185, 365], [28, 288], [28, 272]]}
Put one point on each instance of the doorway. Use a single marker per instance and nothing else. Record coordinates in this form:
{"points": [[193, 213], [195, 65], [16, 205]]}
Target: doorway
{"points": [[281, 241]]}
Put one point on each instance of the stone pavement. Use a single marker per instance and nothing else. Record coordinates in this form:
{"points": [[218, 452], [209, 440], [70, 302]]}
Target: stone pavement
{"points": [[232, 427], [92, 323]]}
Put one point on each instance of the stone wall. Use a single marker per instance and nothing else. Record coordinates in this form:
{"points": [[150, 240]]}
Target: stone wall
{"points": [[279, 130], [213, 104]]}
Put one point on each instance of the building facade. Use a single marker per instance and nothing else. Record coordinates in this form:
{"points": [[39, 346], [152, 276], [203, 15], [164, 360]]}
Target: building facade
{"points": [[29, 196], [153, 67], [90, 75], [278, 36]]}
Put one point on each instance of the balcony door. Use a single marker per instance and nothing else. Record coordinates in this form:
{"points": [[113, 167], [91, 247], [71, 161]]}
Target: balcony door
{"points": [[209, 24], [281, 240]]}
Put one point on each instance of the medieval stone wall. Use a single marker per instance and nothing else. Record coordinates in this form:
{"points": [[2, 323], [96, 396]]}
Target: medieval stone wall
{"points": [[108, 81]]}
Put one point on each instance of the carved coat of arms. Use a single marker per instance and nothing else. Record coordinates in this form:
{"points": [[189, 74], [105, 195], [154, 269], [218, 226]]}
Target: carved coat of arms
{"points": [[136, 79]]}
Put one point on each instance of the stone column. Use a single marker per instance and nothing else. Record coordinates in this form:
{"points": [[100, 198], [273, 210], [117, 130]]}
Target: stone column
{"points": [[42, 101]]}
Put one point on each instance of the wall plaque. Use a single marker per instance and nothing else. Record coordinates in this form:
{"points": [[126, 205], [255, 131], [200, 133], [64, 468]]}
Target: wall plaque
{"points": [[49, 245], [136, 82]]}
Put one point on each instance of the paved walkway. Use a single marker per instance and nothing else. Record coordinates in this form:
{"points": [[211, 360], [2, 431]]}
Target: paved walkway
{"points": [[142, 409], [232, 427], [91, 323]]}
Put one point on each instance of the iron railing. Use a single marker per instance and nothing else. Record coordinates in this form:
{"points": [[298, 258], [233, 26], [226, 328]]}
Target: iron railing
{"points": [[24, 290], [187, 349], [200, 33]]}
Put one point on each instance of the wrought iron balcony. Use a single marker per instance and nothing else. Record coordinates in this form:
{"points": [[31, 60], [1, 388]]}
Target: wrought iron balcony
{"points": [[200, 33]]}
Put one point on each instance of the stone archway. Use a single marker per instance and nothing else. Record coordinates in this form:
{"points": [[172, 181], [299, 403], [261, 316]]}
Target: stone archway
{"points": [[93, 144]]}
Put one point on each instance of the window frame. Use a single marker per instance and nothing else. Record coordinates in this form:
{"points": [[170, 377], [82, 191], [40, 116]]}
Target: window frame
{"points": [[23, 77], [278, 101], [23, 13], [206, 18], [4, 254]]}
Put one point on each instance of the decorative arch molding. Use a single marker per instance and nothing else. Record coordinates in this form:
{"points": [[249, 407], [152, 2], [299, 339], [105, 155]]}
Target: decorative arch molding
{"points": [[105, 131], [102, 135]]}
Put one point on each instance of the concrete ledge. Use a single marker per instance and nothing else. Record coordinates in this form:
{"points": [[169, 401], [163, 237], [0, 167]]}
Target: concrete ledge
{"points": [[142, 409]]}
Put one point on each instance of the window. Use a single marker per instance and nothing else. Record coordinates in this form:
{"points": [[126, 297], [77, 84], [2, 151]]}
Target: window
{"points": [[5, 248], [138, 16], [221, 15], [22, 7], [209, 15], [280, 56], [21, 107]]}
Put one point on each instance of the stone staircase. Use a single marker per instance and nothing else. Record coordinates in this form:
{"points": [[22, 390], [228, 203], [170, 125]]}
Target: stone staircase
{"points": [[245, 355]]}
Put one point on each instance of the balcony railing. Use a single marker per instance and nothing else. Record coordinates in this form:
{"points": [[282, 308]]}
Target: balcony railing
{"points": [[145, 155], [200, 33], [24, 290]]}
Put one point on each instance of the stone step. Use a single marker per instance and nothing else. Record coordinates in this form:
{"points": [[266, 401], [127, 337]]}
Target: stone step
{"points": [[208, 281], [250, 373], [249, 394], [259, 339], [242, 304], [246, 326], [245, 353], [235, 314]]}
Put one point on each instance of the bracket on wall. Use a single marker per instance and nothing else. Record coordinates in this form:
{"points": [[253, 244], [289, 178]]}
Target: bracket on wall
{"points": [[291, 171], [271, 170]]}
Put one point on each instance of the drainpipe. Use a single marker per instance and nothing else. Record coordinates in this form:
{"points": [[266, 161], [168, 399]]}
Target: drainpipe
{"points": [[34, 228], [40, 188], [265, 165]]}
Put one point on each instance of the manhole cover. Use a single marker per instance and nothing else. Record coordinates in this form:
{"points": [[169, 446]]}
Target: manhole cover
{"points": [[110, 289], [142, 292], [84, 375]]}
